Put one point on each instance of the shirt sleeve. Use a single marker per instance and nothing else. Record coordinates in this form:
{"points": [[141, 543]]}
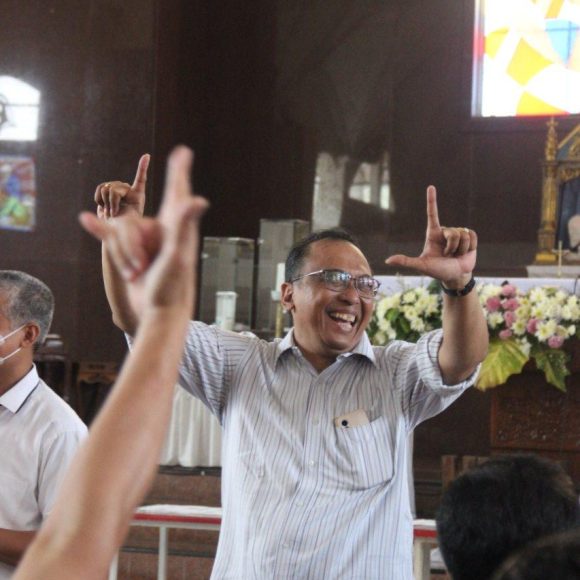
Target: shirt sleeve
{"points": [[417, 378], [57, 454], [210, 359]]}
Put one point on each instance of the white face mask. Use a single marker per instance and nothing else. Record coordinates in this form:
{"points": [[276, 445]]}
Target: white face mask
{"points": [[3, 359]]}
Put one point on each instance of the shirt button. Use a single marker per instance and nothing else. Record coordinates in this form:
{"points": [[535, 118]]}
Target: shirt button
{"points": [[299, 503], [315, 422], [312, 463]]}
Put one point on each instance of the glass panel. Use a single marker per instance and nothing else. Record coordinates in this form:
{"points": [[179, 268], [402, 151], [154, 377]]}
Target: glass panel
{"points": [[526, 58], [19, 103]]}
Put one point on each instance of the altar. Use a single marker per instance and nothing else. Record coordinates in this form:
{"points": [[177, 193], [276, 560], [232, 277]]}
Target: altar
{"points": [[528, 415]]}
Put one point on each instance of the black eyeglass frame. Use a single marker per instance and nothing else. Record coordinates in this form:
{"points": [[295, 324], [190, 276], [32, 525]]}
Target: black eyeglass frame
{"points": [[361, 291]]}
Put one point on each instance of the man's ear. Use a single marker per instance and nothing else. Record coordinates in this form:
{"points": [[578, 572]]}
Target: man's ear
{"points": [[31, 334], [287, 298]]}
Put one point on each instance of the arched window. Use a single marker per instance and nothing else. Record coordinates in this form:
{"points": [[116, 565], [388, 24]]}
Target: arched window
{"points": [[19, 105]]}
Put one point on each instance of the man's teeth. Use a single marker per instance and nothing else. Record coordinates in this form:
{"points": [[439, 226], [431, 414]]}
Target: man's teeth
{"points": [[342, 316]]}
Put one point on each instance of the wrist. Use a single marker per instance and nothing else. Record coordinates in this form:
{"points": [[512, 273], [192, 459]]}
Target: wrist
{"points": [[457, 283], [458, 291]]}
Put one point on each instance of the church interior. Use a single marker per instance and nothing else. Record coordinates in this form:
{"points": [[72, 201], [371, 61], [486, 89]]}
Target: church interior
{"points": [[302, 115]]}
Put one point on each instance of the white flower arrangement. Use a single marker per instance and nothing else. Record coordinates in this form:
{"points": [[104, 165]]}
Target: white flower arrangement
{"points": [[405, 315], [522, 326]]}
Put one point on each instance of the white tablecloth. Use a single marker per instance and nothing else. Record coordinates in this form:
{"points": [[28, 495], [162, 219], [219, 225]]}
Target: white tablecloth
{"points": [[194, 437], [194, 511]]}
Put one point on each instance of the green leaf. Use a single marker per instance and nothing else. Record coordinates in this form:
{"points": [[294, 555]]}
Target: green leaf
{"points": [[553, 362], [434, 287], [404, 325], [373, 328], [504, 358]]}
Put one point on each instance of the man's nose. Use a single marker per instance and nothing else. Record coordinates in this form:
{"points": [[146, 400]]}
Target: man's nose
{"points": [[350, 293]]}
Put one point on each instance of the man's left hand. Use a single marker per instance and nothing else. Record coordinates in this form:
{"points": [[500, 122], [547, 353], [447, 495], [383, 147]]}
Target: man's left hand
{"points": [[449, 253]]}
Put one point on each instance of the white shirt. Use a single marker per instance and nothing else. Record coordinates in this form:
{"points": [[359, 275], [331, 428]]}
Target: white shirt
{"points": [[302, 497], [39, 433]]}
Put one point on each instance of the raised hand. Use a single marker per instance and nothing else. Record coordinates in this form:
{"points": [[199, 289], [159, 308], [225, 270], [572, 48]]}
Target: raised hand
{"points": [[449, 254], [116, 198], [157, 256]]}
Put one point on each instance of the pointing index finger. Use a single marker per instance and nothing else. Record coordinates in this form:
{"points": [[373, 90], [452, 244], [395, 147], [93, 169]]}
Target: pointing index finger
{"points": [[432, 211], [141, 175]]}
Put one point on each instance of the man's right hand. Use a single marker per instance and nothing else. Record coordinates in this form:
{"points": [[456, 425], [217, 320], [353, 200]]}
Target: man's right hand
{"points": [[157, 256], [115, 198]]}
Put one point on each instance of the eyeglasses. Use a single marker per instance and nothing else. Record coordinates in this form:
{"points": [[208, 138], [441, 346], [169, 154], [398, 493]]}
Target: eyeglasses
{"points": [[338, 281]]}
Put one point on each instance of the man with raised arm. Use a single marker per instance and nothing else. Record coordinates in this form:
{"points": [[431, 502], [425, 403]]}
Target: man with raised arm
{"points": [[115, 467], [314, 479], [39, 432]]}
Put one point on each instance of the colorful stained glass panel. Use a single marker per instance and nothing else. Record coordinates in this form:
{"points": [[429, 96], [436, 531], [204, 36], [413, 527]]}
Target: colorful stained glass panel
{"points": [[17, 193], [527, 58]]}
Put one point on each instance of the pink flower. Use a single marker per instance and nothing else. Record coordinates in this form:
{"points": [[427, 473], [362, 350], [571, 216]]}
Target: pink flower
{"points": [[493, 303], [532, 325], [555, 341], [511, 304], [508, 290], [509, 317], [505, 334]]}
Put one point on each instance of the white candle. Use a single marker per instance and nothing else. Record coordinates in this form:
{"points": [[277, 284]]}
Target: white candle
{"points": [[225, 316], [280, 275]]}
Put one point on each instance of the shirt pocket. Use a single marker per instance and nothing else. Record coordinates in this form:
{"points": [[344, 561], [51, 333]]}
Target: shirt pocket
{"points": [[365, 454]]}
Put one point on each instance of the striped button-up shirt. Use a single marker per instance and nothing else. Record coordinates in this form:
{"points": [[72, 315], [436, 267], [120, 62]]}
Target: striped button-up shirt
{"points": [[304, 496]]}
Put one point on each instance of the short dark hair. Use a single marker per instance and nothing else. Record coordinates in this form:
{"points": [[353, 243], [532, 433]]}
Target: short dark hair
{"points": [[557, 556], [27, 299], [300, 250], [501, 506]]}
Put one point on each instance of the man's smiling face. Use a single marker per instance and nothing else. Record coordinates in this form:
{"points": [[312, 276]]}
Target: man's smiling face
{"points": [[326, 322]]}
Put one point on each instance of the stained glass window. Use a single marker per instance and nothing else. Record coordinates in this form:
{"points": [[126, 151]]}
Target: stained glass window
{"points": [[17, 193], [526, 58]]}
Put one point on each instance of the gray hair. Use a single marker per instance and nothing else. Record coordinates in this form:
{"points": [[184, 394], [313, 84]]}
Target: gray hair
{"points": [[26, 299]]}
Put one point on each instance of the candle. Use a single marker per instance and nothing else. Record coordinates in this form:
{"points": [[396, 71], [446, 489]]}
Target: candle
{"points": [[225, 316], [280, 271]]}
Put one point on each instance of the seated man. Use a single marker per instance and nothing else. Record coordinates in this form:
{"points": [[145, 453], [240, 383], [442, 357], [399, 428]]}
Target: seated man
{"points": [[114, 468], [39, 431], [500, 506]]}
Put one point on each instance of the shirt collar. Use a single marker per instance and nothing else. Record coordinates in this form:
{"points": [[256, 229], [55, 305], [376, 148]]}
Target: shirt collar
{"points": [[363, 348], [15, 396]]}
